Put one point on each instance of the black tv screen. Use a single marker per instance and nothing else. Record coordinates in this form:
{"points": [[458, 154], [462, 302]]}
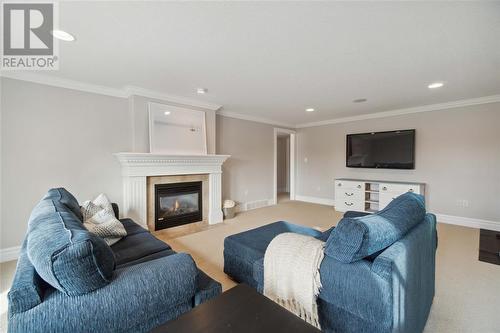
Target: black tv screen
{"points": [[384, 150]]}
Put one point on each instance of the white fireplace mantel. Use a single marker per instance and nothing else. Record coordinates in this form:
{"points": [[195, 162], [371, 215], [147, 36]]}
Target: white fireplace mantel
{"points": [[136, 167]]}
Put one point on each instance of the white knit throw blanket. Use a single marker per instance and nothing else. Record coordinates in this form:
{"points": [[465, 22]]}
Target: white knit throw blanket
{"points": [[291, 274]]}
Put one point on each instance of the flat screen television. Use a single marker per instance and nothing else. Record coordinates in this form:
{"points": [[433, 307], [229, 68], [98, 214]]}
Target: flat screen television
{"points": [[383, 150]]}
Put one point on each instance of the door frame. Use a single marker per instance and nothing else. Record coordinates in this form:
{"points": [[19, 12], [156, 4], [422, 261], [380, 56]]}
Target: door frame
{"points": [[292, 175]]}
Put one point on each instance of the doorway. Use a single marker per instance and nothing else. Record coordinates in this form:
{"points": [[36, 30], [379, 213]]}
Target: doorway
{"points": [[284, 165]]}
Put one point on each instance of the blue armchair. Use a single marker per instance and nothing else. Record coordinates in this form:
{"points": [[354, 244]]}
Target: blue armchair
{"points": [[378, 273]]}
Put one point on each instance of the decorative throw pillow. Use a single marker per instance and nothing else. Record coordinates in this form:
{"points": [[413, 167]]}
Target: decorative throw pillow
{"points": [[99, 219]]}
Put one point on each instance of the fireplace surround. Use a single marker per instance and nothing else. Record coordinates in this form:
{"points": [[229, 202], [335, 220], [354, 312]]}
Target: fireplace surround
{"points": [[140, 170]]}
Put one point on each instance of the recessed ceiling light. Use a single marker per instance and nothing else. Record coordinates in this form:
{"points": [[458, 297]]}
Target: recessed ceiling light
{"points": [[435, 85], [63, 35], [310, 110], [360, 100], [201, 91], [167, 113]]}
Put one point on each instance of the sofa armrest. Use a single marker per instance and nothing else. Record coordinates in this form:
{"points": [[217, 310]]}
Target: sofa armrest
{"points": [[136, 299], [354, 288], [116, 210]]}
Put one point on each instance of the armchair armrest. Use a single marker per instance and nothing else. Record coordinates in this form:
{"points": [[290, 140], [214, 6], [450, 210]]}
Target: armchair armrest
{"points": [[138, 298], [354, 288]]}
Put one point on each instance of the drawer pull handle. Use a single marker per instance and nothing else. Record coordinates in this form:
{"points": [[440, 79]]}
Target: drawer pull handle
{"points": [[339, 184], [359, 186], [349, 194], [384, 188], [410, 190], [349, 204]]}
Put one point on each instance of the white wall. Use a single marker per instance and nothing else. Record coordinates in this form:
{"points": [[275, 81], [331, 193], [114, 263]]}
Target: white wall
{"points": [[248, 174], [56, 137], [457, 156]]}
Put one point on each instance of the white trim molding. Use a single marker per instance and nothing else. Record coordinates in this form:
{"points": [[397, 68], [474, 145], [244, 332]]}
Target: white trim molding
{"points": [[468, 222], [124, 92], [399, 112], [9, 253], [315, 200], [256, 119], [54, 81], [128, 91], [133, 90]]}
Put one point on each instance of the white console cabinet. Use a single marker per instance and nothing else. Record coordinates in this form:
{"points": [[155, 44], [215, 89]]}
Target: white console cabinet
{"points": [[370, 195]]}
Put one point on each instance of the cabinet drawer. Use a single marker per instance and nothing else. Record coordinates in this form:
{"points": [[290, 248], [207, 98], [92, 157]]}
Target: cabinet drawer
{"points": [[349, 184], [399, 188], [349, 194], [343, 205]]}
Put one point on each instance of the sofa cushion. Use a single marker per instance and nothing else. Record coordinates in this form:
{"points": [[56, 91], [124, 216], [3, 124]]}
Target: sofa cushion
{"points": [[131, 227], [137, 246], [63, 252], [148, 257], [355, 238]]}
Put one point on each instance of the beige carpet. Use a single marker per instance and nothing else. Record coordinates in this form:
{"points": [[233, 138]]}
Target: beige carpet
{"points": [[468, 291]]}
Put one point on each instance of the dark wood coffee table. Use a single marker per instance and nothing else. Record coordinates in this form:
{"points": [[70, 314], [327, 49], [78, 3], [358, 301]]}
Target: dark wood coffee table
{"points": [[241, 310]]}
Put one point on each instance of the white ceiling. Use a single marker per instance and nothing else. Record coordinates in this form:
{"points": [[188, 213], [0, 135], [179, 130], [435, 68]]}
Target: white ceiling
{"points": [[272, 60]]}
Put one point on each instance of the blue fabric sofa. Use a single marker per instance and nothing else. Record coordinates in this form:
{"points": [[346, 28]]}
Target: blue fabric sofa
{"points": [[69, 280], [378, 273]]}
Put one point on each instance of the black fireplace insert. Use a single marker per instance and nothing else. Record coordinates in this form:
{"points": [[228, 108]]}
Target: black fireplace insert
{"points": [[177, 204]]}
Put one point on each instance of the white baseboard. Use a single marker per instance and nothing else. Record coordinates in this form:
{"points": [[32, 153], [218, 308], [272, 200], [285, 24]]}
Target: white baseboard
{"points": [[468, 222], [316, 200], [246, 206], [10, 253]]}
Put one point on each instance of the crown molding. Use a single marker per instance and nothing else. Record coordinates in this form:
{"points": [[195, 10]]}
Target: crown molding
{"points": [[125, 92], [133, 90], [55, 81], [399, 112], [262, 120], [129, 91]]}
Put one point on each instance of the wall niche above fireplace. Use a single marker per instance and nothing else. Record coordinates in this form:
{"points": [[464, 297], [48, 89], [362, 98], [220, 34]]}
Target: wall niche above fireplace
{"points": [[177, 204]]}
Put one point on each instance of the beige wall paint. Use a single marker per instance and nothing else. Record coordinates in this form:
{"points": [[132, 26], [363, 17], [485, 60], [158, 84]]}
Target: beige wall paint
{"points": [[57, 137], [248, 174], [457, 156]]}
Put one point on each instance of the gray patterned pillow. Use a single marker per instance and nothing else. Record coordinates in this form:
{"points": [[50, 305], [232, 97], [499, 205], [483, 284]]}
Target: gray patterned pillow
{"points": [[99, 219]]}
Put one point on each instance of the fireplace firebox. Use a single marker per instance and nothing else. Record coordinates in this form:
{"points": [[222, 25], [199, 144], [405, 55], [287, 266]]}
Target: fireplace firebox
{"points": [[177, 204]]}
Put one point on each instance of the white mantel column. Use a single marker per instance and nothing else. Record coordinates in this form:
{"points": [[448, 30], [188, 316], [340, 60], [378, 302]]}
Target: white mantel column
{"points": [[215, 204]]}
